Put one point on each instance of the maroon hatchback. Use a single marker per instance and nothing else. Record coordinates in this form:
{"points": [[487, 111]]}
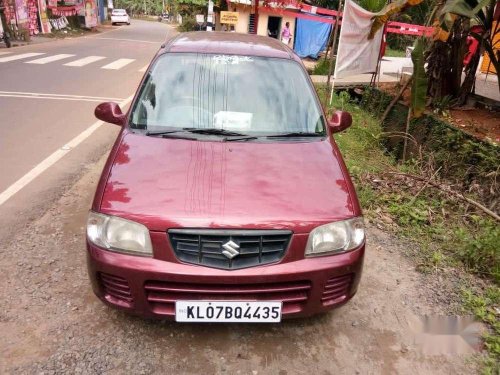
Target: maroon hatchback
{"points": [[225, 197]]}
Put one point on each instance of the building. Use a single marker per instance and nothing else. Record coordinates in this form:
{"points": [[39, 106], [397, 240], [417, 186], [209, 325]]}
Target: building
{"points": [[41, 16], [269, 19]]}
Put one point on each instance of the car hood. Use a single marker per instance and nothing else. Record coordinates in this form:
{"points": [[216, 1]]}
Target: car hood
{"points": [[171, 183]]}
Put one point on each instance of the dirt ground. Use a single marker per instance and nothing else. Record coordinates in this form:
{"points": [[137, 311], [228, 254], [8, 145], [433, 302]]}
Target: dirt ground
{"points": [[50, 321]]}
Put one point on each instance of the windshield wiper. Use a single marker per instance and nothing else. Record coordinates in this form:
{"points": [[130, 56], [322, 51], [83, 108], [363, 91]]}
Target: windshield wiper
{"points": [[163, 132], [212, 131], [295, 134], [238, 139]]}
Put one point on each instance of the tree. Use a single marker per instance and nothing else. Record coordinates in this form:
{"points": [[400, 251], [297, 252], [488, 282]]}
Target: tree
{"points": [[444, 55]]}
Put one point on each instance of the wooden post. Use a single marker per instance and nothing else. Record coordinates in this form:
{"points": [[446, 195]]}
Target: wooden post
{"points": [[330, 68], [405, 144]]}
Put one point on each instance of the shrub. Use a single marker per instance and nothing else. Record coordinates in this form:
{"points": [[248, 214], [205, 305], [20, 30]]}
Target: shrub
{"points": [[188, 24]]}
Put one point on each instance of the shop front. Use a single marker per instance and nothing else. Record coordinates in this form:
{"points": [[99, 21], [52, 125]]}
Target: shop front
{"points": [[85, 11], [25, 18]]}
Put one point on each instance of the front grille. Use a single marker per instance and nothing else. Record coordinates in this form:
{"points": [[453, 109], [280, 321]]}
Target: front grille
{"points": [[116, 289], [249, 247], [162, 295], [336, 290]]}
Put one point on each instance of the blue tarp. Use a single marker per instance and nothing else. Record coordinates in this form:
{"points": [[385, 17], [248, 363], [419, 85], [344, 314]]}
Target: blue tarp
{"points": [[311, 36]]}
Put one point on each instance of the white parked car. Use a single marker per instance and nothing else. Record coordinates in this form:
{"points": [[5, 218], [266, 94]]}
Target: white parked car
{"points": [[120, 16]]}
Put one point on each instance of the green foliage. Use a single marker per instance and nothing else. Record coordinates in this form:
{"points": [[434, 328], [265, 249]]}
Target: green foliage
{"points": [[372, 5], [419, 82], [321, 68], [408, 213], [463, 159], [442, 105], [479, 249], [188, 24], [360, 144], [140, 7], [472, 9], [429, 219], [484, 305], [328, 4], [417, 15], [389, 52]]}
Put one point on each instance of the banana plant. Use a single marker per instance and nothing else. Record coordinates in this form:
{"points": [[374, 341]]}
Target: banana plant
{"points": [[419, 79], [452, 20], [389, 10]]}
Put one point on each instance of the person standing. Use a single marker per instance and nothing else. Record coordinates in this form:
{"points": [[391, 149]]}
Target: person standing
{"points": [[286, 35]]}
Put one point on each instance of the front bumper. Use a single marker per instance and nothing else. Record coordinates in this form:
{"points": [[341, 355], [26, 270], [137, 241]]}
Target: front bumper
{"points": [[150, 286]]}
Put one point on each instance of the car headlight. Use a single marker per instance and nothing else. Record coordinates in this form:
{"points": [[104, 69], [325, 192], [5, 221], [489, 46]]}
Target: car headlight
{"points": [[337, 237], [116, 234]]}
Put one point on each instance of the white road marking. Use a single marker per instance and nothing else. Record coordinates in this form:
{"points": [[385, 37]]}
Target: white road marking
{"points": [[49, 59], [144, 68], [52, 159], [58, 95], [50, 98], [85, 61], [4, 53], [21, 56], [130, 40], [118, 64]]}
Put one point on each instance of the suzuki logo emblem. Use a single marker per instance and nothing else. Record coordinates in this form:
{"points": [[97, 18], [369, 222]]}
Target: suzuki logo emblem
{"points": [[230, 249]]}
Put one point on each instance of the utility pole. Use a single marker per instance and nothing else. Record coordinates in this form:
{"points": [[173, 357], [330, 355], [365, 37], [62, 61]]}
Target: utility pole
{"points": [[145, 9], [210, 16]]}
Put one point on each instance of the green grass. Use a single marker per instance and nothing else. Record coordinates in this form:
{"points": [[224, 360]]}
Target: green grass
{"points": [[445, 234], [360, 144], [322, 66], [389, 52], [483, 305]]}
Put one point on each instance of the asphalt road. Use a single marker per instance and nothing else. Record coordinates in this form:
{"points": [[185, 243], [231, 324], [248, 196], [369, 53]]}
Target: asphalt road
{"points": [[47, 96]]}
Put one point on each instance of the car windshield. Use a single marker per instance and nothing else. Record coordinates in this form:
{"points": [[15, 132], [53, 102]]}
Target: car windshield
{"points": [[244, 94]]}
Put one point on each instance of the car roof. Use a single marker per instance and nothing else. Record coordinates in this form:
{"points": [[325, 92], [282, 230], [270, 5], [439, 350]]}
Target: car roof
{"points": [[229, 43]]}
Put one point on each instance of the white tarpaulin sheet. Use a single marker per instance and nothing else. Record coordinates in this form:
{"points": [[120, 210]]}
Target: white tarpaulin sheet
{"points": [[356, 54]]}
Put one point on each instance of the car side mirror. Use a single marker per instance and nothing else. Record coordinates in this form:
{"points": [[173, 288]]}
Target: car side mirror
{"points": [[340, 120], [110, 112]]}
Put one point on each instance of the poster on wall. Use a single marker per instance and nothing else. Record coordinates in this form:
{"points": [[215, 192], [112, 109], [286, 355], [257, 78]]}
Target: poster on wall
{"points": [[44, 20], [110, 4], [22, 11], [90, 14]]}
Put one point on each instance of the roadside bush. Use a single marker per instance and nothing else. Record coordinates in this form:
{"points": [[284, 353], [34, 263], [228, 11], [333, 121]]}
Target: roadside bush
{"points": [[188, 24], [321, 68], [463, 160], [479, 249], [400, 41]]}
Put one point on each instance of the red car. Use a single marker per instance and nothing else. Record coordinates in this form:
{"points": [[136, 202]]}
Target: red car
{"points": [[225, 197]]}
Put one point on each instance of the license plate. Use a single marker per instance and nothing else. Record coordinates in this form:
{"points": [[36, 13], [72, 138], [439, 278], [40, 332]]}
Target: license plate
{"points": [[228, 311]]}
